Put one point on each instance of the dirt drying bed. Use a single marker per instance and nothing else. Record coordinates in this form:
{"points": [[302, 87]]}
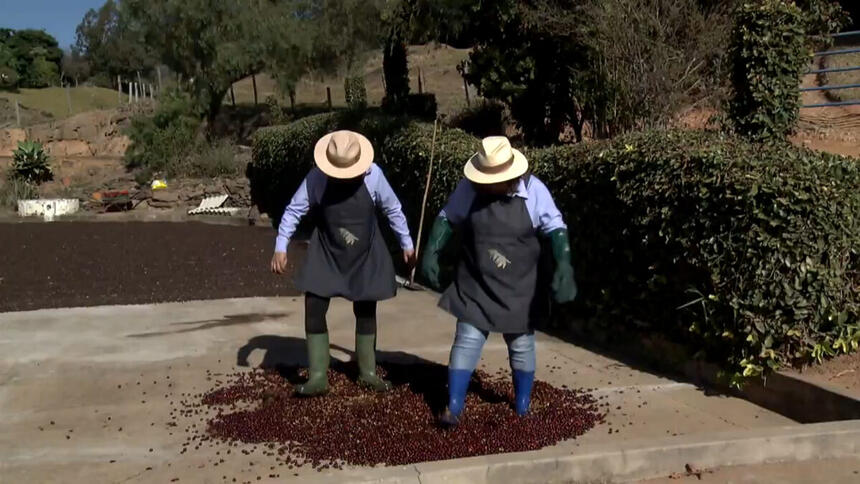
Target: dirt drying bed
{"points": [[351, 426], [89, 264]]}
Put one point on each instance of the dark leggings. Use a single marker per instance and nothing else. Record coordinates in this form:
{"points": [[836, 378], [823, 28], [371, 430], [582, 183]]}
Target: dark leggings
{"points": [[316, 308]]}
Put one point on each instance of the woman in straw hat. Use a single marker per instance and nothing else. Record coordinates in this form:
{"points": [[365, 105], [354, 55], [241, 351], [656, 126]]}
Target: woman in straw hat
{"points": [[501, 211], [347, 256]]}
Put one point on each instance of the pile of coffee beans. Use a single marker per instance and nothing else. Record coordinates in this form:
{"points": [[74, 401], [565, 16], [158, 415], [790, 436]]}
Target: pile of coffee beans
{"points": [[353, 426]]}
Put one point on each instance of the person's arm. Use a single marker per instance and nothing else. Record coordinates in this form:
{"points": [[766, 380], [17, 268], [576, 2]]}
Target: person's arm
{"points": [[550, 223], [298, 207], [454, 213], [390, 205]]}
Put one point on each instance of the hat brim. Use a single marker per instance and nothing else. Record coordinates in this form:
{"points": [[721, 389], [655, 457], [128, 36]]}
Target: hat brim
{"points": [[359, 168], [518, 168]]}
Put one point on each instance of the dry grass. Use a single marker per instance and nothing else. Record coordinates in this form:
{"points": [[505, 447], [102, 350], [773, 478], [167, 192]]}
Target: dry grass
{"points": [[53, 101], [851, 77], [437, 63]]}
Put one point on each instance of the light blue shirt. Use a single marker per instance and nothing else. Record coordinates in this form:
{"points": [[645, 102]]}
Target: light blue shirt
{"points": [[541, 207], [311, 191]]}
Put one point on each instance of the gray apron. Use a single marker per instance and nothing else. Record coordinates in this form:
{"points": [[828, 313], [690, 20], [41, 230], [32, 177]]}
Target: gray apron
{"points": [[496, 280], [347, 256]]}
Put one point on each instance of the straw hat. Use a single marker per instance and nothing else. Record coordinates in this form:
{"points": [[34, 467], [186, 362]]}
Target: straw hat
{"points": [[343, 154], [495, 162]]}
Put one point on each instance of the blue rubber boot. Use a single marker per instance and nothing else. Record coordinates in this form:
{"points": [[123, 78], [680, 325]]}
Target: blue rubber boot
{"points": [[523, 382], [458, 384]]}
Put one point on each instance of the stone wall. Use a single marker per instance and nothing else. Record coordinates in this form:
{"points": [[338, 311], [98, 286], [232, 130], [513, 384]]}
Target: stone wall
{"points": [[96, 133]]}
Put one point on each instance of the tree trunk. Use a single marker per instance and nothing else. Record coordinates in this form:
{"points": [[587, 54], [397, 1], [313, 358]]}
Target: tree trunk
{"points": [[215, 99], [395, 67]]}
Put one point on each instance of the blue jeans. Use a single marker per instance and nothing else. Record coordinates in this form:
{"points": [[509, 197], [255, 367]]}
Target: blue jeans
{"points": [[469, 341]]}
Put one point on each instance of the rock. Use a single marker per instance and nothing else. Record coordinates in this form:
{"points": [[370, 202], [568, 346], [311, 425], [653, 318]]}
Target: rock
{"points": [[88, 133], [9, 139], [165, 196], [68, 148]]}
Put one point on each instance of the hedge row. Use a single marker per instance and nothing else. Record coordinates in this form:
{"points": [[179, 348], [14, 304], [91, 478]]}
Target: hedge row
{"points": [[748, 253]]}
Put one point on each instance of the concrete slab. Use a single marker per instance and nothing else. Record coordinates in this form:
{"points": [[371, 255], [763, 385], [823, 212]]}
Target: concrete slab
{"points": [[106, 378], [845, 470]]}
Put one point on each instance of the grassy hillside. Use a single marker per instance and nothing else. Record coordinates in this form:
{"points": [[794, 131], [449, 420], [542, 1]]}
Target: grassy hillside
{"points": [[53, 100], [437, 63]]}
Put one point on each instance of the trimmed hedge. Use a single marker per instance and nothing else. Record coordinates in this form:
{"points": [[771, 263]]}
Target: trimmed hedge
{"points": [[747, 253]]}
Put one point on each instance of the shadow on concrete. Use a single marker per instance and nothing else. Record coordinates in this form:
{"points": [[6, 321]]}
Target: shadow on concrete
{"points": [[288, 356], [229, 320]]}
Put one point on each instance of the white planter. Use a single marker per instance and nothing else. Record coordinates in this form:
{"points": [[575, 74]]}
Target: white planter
{"points": [[48, 209]]}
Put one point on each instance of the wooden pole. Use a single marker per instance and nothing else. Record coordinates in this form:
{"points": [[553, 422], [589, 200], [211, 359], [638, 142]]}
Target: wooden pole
{"points": [[119, 89], [424, 201], [466, 89], [129, 92], [69, 98], [328, 96], [254, 82], [420, 83], [293, 100], [139, 80], [232, 95], [158, 71], [17, 114]]}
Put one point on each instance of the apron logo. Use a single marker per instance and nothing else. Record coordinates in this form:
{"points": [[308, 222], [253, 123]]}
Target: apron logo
{"points": [[348, 237], [500, 260]]}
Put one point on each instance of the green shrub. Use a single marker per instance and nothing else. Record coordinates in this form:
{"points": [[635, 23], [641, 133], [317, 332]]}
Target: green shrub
{"points": [[770, 48], [161, 141], [30, 163], [482, 119], [422, 106], [355, 92], [747, 253], [169, 142]]}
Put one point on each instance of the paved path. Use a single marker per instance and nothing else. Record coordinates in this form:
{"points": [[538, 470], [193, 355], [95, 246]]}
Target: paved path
{"points": [[72, 385]]}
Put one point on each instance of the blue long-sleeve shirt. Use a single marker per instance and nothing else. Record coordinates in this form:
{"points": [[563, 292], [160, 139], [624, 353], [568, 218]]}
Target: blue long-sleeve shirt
{"points": [[310, 193], [541, 207]]}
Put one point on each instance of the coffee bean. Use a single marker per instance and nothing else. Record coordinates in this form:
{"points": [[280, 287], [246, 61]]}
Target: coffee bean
{"points": [[364, 429]]}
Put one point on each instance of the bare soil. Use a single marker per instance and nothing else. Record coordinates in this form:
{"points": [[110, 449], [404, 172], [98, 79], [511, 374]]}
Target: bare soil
{"points": [[90, 264], [842, 372]]}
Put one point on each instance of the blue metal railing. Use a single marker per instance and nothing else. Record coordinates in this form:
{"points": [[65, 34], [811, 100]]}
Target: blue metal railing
{"points": [[835, 87], [836, 52], [845, 34]]}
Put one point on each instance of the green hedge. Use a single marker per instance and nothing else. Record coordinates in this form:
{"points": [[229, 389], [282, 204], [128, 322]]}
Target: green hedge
{"points": [[747, 253]]}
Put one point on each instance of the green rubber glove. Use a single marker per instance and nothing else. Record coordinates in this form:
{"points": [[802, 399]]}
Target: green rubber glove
{"points": [[564, 288], [439, 236]]}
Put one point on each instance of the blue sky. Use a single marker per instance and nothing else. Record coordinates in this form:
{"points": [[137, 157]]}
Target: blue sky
{"points": [[59, 18]]}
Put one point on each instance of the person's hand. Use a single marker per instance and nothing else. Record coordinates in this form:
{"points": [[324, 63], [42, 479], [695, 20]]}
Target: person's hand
{"points": [[279, 262], [409, 258]]}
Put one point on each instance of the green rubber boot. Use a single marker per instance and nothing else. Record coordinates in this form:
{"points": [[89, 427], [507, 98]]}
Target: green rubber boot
{"points": [[365, 351], [318, 359]]}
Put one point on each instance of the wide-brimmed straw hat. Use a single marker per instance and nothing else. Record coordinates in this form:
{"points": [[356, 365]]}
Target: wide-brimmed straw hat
{"points": [[343, 154], [495, 162]]}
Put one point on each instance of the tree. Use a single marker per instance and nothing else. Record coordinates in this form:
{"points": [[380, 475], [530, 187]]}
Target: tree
{"points": [[112, 43], [8, 67], [530, 56], [416, 21], [214, 43], [41, 73], [75, 66], [31, 47]]}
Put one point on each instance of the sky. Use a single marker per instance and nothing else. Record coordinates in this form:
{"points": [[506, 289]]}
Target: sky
{"points": [[59, 18]]}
